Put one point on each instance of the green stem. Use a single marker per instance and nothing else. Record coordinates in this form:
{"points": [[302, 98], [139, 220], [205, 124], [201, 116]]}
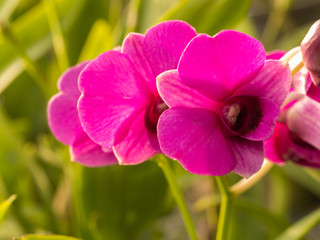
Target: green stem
{"points": [[164, 164], [225, 210], [245, 184], [57, 36]]}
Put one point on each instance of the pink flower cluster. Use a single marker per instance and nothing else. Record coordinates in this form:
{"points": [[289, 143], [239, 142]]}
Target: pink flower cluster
{"points": [[296, 136], [207, 102]]}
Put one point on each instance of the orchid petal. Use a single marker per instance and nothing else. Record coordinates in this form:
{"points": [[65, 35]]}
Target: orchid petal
{"points": [[68, 82], [272, 82], [63, 118], [195, 139], [177, 94], [302, 119], [276, 146], [164, 44], [86, 152], [110, 75], [133, 47], [301, 81], [107, 120], [314, 92], [275, 54], [247, 154], [113, 94], [135, 148], [216, 66]]}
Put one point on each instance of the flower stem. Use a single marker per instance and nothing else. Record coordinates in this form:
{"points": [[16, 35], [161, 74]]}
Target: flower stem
{"points": [[225, 210], [245, 184], [164, 164]]}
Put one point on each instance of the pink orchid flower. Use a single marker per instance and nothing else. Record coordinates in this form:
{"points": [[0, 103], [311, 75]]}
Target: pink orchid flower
{"points": [[296, 135], [120, 104], [224, 100], [65, 124]]}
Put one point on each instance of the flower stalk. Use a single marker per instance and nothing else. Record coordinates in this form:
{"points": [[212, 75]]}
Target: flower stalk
{"points": [[177, 194], [244, 184], [225, 210]]}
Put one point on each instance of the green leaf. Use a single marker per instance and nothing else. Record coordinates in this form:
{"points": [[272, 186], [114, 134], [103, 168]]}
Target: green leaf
{"points": [[118, 201], [304, 179], [33, 33], [5, 205], [99, 40], [209, 16], [226, 14], [47, 237], [302, 227]]}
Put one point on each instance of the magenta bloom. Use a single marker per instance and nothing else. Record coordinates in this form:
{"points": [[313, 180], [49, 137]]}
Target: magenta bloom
{"points": [[65, 125], [224, 100], [296, 135], [120, 104]]}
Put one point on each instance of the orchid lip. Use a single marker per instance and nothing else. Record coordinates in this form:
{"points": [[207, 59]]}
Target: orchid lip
{"points": [[241, 114]]}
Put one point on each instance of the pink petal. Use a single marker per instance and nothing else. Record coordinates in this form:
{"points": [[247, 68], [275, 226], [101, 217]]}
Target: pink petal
{"points": [[164, 44], [301, 81], [65, 125], [275, 54], [62, 111], [106, 120], [216, 66], [302, 153], [154, 142], [135, 148], [303, 120], [177, 94], [86, 152], [68, 82], [112, 75], [133, 47], [113, 94], [314, 92], [272, 82], [63, 118], [284, 147], [194, 138], [248, 156], [276, 146]]}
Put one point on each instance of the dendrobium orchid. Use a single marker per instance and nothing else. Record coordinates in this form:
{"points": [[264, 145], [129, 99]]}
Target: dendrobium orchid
{"points": [[65, 124], [224, 100], [120, 105], [296, 135]]}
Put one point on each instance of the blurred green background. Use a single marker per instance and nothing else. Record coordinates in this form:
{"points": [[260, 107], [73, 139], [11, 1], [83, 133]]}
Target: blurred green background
{"points": [[41, 39]]}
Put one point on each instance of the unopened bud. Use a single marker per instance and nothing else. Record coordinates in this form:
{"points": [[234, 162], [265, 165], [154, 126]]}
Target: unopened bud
{"points": [[310, 48]]}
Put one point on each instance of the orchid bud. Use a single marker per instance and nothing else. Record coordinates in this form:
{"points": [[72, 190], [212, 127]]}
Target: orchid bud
{"points": [[310, 48]]}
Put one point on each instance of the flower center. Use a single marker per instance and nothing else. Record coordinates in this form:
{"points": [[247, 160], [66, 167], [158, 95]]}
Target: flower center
{"points": [[231, 113], [241, 114], [153, 113]]}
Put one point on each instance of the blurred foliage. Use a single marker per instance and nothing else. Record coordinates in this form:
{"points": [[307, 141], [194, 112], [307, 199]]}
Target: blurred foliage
{"points": [[56, 196]]}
